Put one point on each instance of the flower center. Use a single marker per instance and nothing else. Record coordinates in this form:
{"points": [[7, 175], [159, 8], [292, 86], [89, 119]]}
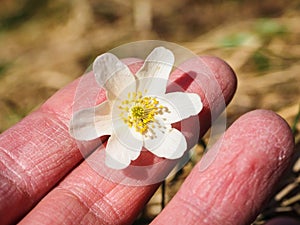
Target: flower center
{"points": [[137, 112], [140, 112]]}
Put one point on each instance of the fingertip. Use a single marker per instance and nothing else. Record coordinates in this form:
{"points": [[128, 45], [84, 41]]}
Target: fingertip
{"points": [[212, 70], [259, 138], [221, 69], [224, 74], [270, 127], [243, 170]]}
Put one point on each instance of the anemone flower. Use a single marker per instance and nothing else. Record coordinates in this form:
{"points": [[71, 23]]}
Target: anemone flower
{"points": [[137, 112]]}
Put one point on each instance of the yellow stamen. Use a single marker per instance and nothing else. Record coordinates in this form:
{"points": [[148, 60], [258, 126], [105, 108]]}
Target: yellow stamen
{"points": [[139, 112]]}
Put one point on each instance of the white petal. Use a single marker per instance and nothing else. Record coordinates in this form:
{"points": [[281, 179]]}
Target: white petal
{"points": [[180, 105], [113, 75], [91, 123], [126, 136], [172, 145], [158, 64], [152, 86], [118, 156], [157, 134]]}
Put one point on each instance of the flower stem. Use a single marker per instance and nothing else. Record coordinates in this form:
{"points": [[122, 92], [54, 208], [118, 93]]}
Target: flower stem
{"points": [[163, 192]]}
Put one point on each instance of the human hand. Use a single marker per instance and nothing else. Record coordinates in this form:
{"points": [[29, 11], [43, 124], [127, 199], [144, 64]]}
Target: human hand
{"points": [[44, 179]]}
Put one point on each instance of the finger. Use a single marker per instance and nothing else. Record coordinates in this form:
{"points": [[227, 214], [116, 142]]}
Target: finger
{"points": [[252, 155], [90, 198], [38, 151], [34, 155]]}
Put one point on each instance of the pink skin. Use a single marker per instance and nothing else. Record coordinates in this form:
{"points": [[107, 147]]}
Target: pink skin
{"points": [[253, 153], [38, 152]]}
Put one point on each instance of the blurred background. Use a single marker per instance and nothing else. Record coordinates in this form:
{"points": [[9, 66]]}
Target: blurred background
{"points": [[47, 44]]}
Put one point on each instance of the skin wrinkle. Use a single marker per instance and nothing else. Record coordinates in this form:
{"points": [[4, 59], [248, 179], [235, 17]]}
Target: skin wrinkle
{"points": [[119, 210], [102, 202], [115, 197], [219, 198], [106, 206], [41, 165], [74, 202], [191, 209], [29, 185], [277, 139], [195, 207], [12, 194], [252, 177], [115, 214], [125, 206], [235, 197], [97, 213], [50, 163], [84, 188], [10, 191], [5, 164], [15, 172], [80, 201]]}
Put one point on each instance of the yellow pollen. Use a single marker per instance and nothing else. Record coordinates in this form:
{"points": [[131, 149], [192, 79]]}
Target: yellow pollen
{"points": [[139, 112]]}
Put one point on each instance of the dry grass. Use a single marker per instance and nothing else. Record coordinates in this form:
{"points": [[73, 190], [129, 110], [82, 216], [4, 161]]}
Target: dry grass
{"points": [[47, 44]]}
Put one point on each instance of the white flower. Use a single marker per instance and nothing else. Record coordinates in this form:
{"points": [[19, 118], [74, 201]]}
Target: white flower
{"points": [[138, 112]]}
